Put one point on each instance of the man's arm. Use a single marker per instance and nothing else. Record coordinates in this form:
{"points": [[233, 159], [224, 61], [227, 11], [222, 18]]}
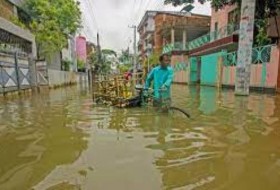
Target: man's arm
{"points": [[169, 80], [149, 79]]}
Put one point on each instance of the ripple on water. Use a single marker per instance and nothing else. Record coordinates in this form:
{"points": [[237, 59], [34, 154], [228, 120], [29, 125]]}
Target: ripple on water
{"points": [[230, 143]]}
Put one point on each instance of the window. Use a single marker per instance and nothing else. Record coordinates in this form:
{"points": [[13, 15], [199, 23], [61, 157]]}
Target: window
{"points": [[216, 26], [234, 17], [216, 31]]}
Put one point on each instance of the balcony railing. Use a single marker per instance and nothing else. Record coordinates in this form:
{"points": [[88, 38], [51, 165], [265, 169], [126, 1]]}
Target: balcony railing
{"points": [[177, 46], [260, 55], [207, 38], [215, 35]]}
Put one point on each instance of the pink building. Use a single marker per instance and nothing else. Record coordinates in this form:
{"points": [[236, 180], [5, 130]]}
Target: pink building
{"points": [[81, 48], [213, 57]]}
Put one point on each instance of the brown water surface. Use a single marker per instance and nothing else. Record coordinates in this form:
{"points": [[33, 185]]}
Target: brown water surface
{"points": [[60, 140]]}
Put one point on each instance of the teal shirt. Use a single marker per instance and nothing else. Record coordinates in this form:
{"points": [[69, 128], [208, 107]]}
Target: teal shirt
{"points": [[161, 77]]}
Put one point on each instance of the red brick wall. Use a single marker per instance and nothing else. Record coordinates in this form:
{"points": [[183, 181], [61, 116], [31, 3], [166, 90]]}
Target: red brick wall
{"points": [[221, 16], [7, 9], [159, 18], [168, 21]]}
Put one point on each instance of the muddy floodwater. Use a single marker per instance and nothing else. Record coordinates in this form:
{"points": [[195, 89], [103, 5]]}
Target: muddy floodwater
{"points": [[61, 140]]}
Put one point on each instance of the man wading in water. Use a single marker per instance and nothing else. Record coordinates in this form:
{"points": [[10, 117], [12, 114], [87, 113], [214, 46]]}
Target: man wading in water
{"points": [[162, 76]]}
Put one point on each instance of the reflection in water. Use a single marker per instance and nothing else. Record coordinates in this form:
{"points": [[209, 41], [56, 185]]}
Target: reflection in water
{"points": [[62, 141], [35, 137]]}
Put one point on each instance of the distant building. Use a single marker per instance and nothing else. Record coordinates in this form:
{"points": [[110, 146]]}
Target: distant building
{"points": [[81, 50], [69, 53], [170, 32], [91, 49], [159, 28]]}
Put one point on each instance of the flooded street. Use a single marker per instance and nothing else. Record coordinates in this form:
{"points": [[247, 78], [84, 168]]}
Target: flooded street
{"points": [[60, 140]]}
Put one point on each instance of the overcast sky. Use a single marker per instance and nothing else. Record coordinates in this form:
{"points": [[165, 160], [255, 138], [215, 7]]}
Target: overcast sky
{"points": [[112, 17]]}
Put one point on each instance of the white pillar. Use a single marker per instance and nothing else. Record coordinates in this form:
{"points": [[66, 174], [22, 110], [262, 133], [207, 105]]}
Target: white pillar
{"points": [[246, 33], [172, 36], [184, 38]]}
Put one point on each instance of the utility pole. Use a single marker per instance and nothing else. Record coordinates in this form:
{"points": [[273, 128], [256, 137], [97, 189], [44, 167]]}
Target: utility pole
{"points": [[135, 54], [246, 33], [95, 71], [98, 48]]}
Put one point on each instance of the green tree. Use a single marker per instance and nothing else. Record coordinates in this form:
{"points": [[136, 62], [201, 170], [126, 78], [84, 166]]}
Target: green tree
{"points": [[264, 8], [66, 64], [109, 52], [154, 59], [124, 67], [125, 57], [102, 66], [52, 21]]}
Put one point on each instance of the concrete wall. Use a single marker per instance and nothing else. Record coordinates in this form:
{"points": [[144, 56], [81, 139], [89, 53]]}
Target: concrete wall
{"points": [[150, 24], [19, 32], [7, 9], [262, 75], [69, 54], [60, 78], [209, 69], [54, 61], [180, 75]]}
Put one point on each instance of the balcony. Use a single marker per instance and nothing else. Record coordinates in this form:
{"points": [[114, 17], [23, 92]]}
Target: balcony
{"points": [[177, 46], [224, 32], [213, 36]]}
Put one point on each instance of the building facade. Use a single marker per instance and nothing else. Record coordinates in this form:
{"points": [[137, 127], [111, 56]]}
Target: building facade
{"points": [[158, 29], [12, 36], [146, 30], [213, 57], [17, 49], [170, 32]]}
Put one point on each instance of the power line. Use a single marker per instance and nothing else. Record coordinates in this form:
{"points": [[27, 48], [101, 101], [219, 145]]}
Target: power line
{"points": [[132, 11], [86, 25], [138, 11], [142, 12], [147, 5], [91, 13], [130, 19]]}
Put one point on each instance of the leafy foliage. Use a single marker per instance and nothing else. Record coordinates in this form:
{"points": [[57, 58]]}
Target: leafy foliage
{"points": [[81, 64], [125, 57], [52, 21], [264, 8], [109, 52], [17, 22], [124, 67], [217, 4], [66, 64], [261, 37], [154, 59], [104, 65]]}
